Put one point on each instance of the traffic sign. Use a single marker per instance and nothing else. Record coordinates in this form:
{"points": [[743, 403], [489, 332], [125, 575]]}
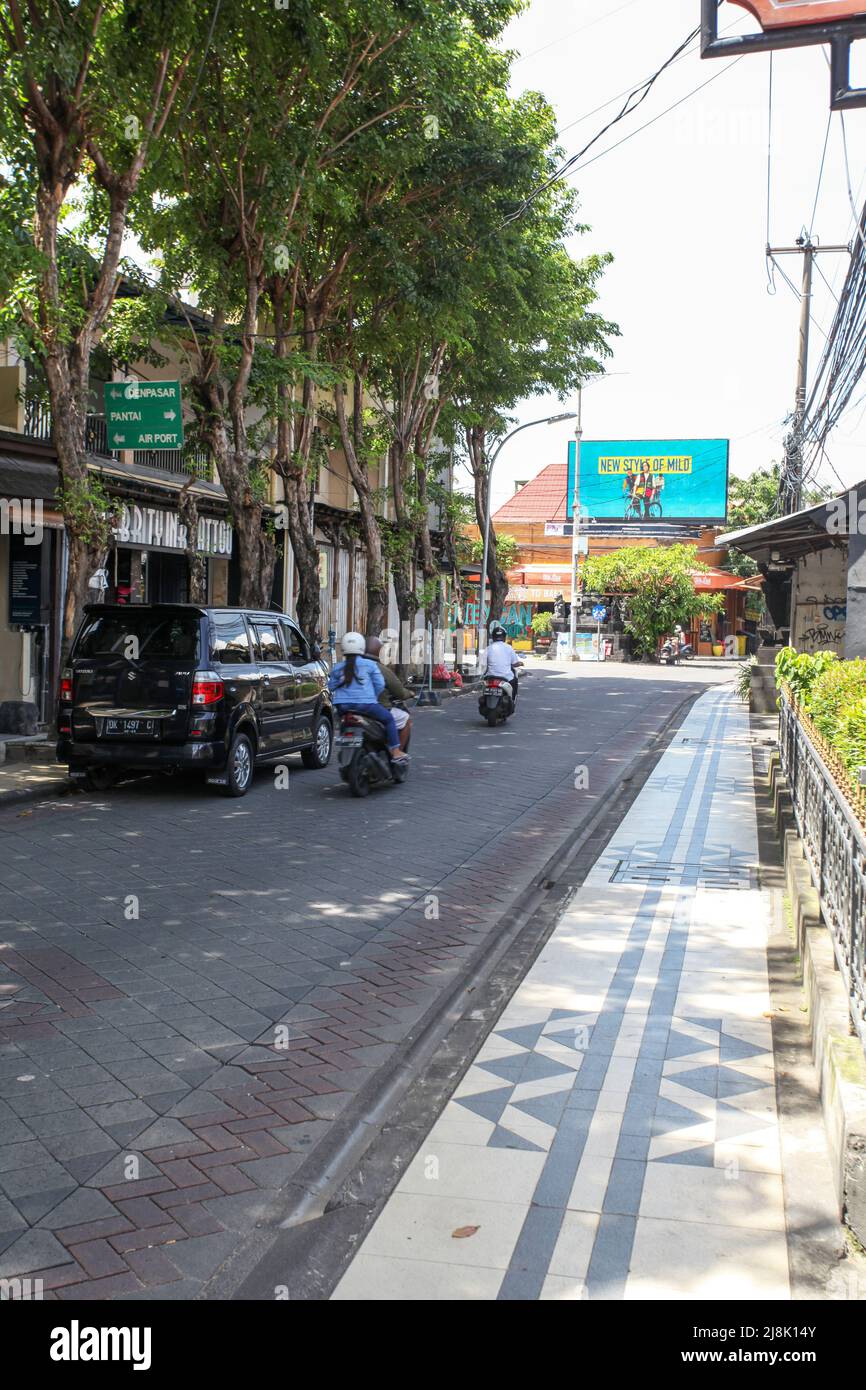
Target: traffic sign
{"points": [[599, 612], [143, 415]]}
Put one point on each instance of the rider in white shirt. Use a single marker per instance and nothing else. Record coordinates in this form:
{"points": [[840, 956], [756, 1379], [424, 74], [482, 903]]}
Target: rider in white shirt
{"points": [[500, 658]]}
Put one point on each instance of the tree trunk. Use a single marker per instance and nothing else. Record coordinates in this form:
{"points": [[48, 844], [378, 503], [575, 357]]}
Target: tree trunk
{"points": [[187, 510], [353, 448], [497, 580]]}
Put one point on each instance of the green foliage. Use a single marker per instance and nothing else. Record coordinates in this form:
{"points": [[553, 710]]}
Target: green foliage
{"points": [[89, 511], [657, 585], [833, 694], [744, 679], [839, 685], [507, 551], [800, 670], [542, 623]]}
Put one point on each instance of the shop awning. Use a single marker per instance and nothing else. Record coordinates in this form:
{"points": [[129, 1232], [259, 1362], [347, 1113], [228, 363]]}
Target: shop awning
{"points": [[22, 477], [717, 581]]}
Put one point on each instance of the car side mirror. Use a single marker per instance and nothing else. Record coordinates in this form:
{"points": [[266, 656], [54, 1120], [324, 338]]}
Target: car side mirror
{"points": [[315, 650]]}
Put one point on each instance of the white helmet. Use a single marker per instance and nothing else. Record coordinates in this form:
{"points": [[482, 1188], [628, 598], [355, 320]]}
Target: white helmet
{"points": [[354, 644]]}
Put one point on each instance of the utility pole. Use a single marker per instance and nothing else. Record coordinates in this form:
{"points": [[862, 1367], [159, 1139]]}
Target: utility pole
{"points": [[575, 529], [791, 481]]}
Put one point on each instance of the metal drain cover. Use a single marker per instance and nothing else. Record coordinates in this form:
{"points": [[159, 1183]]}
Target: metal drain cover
{"points": [[727, 876]]}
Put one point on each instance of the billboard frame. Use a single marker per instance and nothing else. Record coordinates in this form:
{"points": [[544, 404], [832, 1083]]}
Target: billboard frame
{"points": [[839, 35], [684, 521]]}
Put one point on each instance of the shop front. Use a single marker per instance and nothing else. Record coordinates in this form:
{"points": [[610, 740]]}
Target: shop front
{"points": [[149, 562], [32, 559]]}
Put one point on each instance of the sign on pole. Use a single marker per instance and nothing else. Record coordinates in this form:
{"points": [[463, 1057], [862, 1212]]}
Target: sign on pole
{"points": [[796, 24], [143, 415]]}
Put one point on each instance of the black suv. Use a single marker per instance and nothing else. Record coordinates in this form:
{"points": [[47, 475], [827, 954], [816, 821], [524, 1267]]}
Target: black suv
{"points": [[163, 687]]}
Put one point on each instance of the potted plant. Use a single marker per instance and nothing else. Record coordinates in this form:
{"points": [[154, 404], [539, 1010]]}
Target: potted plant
{"points": [[542, 628]]}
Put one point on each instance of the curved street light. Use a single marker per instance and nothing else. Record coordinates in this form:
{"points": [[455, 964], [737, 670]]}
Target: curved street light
{"points": [[547, 420]]}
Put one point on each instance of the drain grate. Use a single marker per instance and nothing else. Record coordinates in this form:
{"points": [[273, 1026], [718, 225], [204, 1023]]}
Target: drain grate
{"points": [[727, 876]]}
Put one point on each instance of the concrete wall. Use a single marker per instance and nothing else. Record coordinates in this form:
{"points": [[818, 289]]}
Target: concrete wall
{"points": [[819, 608], [856, 637]]}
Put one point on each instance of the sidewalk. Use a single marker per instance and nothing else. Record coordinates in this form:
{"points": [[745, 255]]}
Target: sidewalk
{"points": [[617, 1136], [32, 778]]}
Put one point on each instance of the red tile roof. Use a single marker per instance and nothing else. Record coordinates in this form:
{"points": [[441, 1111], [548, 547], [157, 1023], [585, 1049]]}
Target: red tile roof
{"points": [[543, 499]]}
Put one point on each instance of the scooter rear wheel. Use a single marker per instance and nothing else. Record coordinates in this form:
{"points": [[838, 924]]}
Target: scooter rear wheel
{"points": [[359, 778]]}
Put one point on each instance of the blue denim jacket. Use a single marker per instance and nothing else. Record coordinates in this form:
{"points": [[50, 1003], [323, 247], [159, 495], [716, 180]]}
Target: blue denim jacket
{"points": [[364, 689]]}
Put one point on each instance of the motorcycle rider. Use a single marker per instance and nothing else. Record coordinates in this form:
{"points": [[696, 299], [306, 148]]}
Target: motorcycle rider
{"points": [[356, 684], [394, 690], [501, 659]]}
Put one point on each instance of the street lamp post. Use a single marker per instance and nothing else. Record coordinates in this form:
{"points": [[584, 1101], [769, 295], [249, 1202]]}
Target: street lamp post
{"points": [[575, 508], [482, 586]]}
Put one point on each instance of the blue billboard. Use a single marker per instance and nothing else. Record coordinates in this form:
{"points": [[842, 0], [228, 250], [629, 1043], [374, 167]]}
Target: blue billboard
{"points": [[651, 479]]}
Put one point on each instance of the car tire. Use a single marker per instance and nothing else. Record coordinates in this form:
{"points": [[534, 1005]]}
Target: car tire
{"points": [[319, 755], [100, 779], [239, 767]]}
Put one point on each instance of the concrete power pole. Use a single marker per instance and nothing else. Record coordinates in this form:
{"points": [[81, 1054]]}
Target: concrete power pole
{"points": [[791, 481], [575, 530]]}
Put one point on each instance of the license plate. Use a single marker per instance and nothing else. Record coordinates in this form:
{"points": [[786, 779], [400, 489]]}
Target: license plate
{"points": [[130, 728], [349, 738]]}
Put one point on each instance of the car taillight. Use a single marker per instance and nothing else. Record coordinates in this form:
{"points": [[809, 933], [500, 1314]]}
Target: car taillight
{"points": [[66, 685], [207, 692]]}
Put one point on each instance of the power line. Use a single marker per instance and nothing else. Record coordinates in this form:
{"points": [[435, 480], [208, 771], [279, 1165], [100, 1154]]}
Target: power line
{"points": [[525, 57], [636, 97]]}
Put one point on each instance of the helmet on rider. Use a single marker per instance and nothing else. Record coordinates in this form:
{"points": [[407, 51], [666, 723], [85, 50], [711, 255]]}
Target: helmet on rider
{"points": [[374, 646], [498, 633], [354, 644]]}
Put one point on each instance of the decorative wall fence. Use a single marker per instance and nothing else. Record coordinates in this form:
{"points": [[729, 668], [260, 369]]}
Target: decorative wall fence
{"points": [[835, 845]]}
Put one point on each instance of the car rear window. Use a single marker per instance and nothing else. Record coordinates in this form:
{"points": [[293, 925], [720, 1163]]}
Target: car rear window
{"points": [[140, 636]]}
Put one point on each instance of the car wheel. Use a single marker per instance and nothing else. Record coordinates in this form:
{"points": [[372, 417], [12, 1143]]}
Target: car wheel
{"points": [[100, 779], [359, 778], [239, 767], [320, 753]]}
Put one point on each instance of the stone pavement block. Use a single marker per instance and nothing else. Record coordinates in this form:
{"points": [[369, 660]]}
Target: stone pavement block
{"points": [[33, 1250], [149, 1236], [98, 1290], [152, 1266], [79, 1208]]}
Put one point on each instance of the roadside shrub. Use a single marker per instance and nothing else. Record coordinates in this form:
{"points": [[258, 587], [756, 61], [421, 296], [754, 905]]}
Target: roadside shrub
{"points": [[850, 740], [800, 670], [744, 679], [833, 693]]}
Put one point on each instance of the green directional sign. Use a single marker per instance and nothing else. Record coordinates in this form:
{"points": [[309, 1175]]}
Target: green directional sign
{"points": [[143, 415]]}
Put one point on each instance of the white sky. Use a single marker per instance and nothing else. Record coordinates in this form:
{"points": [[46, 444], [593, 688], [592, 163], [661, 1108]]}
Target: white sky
{"points": [[683, 208]]}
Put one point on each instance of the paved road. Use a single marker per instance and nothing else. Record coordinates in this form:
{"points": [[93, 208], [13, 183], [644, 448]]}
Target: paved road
{"points": [[194, 992]]}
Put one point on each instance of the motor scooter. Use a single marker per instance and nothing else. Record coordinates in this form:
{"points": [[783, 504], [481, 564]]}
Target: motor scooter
{"points": [[362, 754]]}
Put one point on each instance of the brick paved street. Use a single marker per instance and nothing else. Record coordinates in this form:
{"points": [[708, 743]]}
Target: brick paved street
{"points": [[154, 942]]}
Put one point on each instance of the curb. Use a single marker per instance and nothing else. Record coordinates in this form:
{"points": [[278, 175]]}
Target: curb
{"points": [[364, 1155], [838, 1056]]}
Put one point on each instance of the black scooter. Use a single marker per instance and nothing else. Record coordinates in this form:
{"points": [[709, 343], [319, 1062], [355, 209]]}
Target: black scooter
{"points": [[496, 702], [362, 754]]}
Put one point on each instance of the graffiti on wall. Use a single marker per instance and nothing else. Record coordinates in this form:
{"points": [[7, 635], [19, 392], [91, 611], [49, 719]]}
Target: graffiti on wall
{"points": [[821, 623]]}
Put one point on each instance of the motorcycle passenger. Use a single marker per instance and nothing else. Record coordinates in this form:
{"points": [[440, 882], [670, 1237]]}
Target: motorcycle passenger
{"points": [[394, 690], [356, 684], [501, 659]]}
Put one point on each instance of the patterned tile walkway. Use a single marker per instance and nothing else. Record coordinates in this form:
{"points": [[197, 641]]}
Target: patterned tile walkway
{"points": [[616, 1137]]}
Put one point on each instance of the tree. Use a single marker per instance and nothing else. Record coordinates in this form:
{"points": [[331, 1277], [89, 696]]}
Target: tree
{"points": [[657, 586], [535, 330], [65, 129], [751, 501]]}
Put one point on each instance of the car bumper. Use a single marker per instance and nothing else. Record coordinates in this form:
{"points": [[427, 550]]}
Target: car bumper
{"points": [[207, 754]]}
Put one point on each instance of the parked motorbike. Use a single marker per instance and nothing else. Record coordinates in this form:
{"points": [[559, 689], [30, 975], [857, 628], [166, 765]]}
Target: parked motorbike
{"points": [[496, 702], [673, 652], [362, 754]]}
